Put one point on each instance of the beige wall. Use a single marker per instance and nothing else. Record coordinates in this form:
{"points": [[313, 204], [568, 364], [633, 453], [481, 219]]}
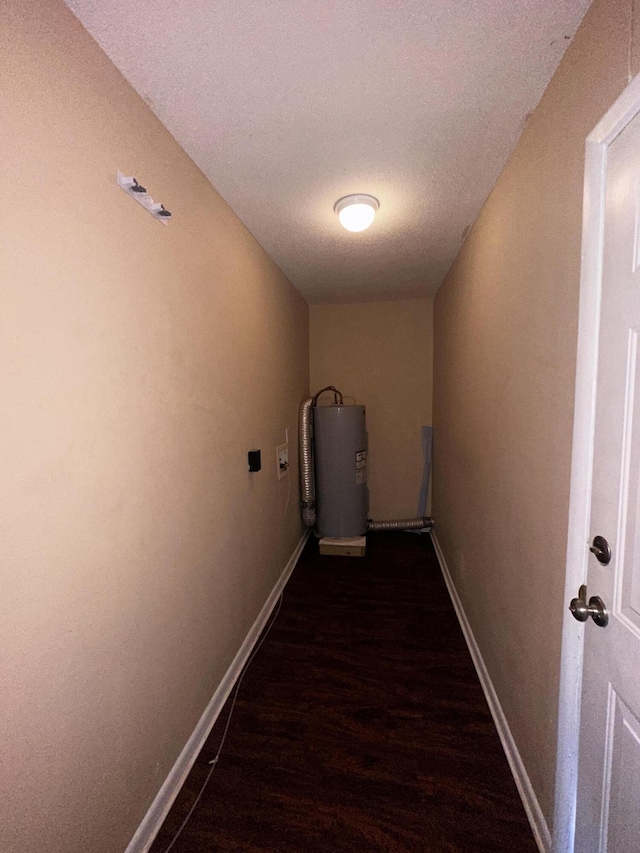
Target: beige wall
{"points": [[505, 343], [138, 365], [381, 353]]}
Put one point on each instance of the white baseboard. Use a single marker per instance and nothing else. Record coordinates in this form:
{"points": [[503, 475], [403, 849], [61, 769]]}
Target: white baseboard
{"points": [[152, 821], [529, 800]]}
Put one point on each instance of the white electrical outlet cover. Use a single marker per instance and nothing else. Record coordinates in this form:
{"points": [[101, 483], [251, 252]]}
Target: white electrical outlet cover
{"points": [[282, 460]]}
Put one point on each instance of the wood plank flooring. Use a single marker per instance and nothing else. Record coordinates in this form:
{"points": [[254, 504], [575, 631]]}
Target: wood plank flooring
{"points": [[360, 725]]}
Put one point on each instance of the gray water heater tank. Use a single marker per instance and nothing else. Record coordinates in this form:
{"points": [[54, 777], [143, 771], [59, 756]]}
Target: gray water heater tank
{"points": [[340, 455]]}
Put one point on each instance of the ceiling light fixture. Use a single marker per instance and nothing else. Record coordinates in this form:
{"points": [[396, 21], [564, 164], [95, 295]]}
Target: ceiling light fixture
{"points": [[356, 212]]}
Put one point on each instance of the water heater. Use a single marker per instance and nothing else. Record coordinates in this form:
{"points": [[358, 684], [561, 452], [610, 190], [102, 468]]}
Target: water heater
{"points": [[340, 457], [334, 496]]}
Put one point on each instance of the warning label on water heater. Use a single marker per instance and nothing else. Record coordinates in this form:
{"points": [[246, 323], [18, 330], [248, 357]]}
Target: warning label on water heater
{"points": [[361, 467]]}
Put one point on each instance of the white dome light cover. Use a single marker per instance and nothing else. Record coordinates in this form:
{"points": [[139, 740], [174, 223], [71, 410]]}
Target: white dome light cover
{"points": [[356, 212]]}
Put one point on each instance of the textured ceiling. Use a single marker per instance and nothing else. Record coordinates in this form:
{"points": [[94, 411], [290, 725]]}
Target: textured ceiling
{"points": [[287, 105]]}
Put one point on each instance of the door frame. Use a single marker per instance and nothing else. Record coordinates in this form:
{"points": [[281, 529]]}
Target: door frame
{"points": [[625, 108]]}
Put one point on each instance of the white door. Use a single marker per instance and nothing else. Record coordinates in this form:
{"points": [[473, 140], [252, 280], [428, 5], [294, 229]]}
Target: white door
{"points": [[608, 785]]}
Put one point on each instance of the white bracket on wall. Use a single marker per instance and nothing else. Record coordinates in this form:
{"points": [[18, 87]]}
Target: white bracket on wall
{"points": [[131, 186]]}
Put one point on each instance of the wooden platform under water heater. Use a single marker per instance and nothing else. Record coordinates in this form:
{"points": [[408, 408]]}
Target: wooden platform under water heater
{"points": [[347, 546]]}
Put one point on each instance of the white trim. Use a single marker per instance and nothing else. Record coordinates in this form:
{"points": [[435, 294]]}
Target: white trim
{"points": [[152, 821], [523, 783], [621, 113]]}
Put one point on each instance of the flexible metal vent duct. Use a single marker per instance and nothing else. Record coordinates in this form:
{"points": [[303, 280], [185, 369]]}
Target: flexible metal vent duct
{"points": [[307, 494], [305, 440], [403, 524]]}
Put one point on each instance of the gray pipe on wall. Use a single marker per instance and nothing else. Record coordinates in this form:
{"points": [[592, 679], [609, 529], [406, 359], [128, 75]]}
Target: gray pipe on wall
{"points": [[402, 524]]}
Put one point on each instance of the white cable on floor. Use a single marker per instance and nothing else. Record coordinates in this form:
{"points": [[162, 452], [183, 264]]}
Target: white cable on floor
{"points": [[214, 761], [255, 651]]}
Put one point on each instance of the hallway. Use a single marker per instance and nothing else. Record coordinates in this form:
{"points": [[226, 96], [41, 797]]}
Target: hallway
{"points": [[360, 726]]}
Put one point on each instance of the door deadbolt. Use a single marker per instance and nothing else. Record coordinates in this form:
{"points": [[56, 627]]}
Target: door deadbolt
{"points": [[600, 547], [596, 608]]}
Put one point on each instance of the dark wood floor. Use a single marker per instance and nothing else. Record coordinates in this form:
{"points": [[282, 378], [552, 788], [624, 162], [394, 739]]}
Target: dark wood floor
{"points": [[360, 725]]}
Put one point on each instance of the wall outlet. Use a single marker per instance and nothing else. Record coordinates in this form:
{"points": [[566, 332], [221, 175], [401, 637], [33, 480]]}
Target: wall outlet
{"points": [[282, 457]]}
